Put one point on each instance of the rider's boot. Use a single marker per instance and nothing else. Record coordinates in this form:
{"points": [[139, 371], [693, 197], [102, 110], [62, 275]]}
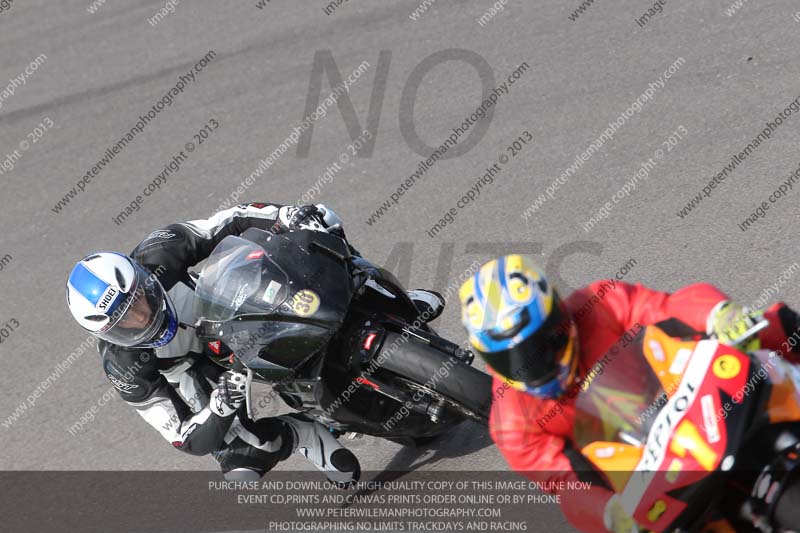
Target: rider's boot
{"points": [[314, 442], [430, 304]]}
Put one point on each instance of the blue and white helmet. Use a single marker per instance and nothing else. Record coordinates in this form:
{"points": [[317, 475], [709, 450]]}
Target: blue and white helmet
{"points": [[119, 301]]}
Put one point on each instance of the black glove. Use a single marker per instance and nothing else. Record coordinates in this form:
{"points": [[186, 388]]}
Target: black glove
{"points": [[229, 394]]}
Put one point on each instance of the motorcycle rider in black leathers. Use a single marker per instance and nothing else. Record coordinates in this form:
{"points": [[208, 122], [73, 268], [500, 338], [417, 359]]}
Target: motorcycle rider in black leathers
{"points": [[140, 306]]}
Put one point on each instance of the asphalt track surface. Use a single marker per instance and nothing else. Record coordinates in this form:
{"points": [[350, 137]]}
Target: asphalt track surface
{"points": [[103, 70]]}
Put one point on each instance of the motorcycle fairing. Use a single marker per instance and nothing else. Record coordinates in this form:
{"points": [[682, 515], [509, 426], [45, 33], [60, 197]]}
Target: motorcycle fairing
{"points": [[650, 421], [275, 300]]}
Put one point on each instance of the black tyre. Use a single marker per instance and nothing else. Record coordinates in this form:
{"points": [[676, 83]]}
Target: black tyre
{"points": [[466, 389], [787, 509]]}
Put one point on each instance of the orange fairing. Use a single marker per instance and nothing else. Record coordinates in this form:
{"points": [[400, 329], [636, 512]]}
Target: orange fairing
{"points": [[667, 357], [617, 460], [784, 399]]}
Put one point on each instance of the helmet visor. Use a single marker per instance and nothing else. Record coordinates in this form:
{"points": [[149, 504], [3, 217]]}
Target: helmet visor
{"points": [[141, 315], [537, 359], [564, 375]]}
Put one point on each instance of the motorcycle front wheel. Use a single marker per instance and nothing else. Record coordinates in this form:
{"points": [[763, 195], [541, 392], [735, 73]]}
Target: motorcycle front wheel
{"points": [[427, 370]]}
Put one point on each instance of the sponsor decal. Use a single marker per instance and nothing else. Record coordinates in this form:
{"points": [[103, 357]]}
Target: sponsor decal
{"points": [[121, 385], [220, 404], [656, 510], [304, 303], [161, 234], [107, 298], [605, 453], [679, 363], [709, 420], [675, 468], [658, 351], [673, 413], [214, 346], [241, 296], [272, 292], [258, 254], [286, 214], [727, 367], [667, 420]]}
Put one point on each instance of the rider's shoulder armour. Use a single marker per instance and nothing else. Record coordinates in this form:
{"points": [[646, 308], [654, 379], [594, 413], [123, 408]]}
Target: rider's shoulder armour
{"points": [[133, 372]]}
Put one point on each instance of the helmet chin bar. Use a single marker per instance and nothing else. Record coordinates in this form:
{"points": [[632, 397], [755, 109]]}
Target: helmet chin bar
{"points": [[563, 377], [168, 329], [550, 390], [545, 380]]}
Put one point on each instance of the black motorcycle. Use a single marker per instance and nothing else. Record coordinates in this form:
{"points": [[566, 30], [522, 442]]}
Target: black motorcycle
{"points": [[336, 337]]}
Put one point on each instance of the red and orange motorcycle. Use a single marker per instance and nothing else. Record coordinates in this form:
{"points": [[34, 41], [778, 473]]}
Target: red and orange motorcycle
{"points": [[694, 435]]}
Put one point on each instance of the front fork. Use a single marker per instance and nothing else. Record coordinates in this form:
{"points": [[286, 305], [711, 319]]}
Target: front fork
{"points": [[369, 345], [248, 401]]}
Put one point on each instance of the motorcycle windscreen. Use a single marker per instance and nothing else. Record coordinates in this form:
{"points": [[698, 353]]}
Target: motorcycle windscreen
{"points": [[233, 275], [659, 397], [619, 396], [280, 301]]}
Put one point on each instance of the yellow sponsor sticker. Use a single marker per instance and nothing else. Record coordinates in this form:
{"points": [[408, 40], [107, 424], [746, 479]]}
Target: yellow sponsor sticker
{"points": [[304, 303], [656, 510], [727, 367], [674, 470]]}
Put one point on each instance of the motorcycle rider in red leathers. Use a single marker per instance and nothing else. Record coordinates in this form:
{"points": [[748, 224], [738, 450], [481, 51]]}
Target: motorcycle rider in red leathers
{"points": [[538, 347]]}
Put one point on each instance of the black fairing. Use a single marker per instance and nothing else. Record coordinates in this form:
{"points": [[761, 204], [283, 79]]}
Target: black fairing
{"points": [[314, 359], [274, 340]]}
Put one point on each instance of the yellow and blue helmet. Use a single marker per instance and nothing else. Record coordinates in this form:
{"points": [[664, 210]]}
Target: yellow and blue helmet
{"points": [[515, 322]]}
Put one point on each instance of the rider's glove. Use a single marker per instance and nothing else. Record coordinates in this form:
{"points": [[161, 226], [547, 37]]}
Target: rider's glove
{"points": [[728, 322], [329, 217], [292, 217], [617, 519], [229, 394]]}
